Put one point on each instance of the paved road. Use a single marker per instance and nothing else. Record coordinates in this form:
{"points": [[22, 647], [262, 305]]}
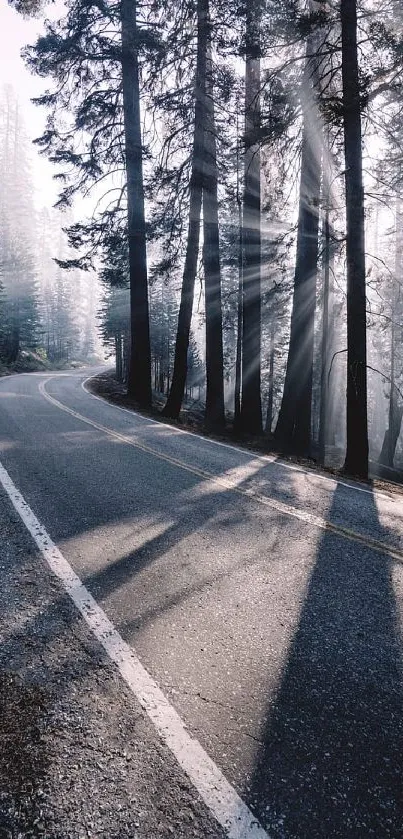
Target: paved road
{"points": [[265, 600]]}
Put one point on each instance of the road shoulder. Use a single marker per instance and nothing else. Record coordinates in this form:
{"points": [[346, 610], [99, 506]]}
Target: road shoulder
{"points": [[79, 757]]}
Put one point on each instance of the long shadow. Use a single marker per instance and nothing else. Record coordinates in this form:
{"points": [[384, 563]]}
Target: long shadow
{"points": [[67, 682], [330, 764], [190, 517]]}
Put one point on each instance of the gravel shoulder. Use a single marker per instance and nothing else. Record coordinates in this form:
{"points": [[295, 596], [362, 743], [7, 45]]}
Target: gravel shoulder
{"points": [[78, 758]]}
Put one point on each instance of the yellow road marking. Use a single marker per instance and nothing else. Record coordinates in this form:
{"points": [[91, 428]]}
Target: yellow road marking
{"points": [[278, 506]]}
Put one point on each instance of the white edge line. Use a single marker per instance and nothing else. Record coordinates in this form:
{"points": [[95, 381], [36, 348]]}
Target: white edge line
{"points": [[217, 793], [264, 457]]}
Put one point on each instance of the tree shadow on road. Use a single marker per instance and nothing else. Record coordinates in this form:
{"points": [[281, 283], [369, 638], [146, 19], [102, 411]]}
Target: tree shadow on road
{"points": [[77, 752], [330, 764]]}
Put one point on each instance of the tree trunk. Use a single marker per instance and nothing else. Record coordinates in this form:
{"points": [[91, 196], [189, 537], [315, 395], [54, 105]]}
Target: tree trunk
{"points": [[392, 433], [387, 455], [356, 461], [139, 382], [269, 412], [126, 355], [293, 430], [251, 407], [13, 348], [323, 416], [238, 358], [175, 398], [214, 415], [118, 360]]}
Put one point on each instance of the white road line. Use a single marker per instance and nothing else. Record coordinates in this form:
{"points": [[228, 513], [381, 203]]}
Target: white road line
{"points": [[265, 458], [217, 793], [228, 483]]}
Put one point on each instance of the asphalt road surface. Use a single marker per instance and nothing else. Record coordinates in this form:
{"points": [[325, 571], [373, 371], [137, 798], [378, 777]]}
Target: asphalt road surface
{"points": [[264, 600]]}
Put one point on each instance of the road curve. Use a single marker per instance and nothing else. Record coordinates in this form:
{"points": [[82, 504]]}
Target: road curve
{"points": [[265, 600]]}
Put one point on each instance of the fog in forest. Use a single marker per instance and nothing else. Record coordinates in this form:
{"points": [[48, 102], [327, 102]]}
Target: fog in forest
{"points": [[228, 222]]}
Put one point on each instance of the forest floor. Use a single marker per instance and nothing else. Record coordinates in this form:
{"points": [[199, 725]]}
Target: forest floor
{"points": [[31, 362], [191, 419]]}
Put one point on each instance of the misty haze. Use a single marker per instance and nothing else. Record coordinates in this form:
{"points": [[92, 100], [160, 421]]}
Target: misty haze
{"points": [[201, 405]]}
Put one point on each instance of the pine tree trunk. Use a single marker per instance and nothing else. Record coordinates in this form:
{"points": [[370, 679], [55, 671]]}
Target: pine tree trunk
{"points": [[215, 414], [139, 382], [175, 398], [293, 430], [118, 357], [269, 412], [251, 406], [126, 356], [323, 416], [238, 357], [332, 398], [395, 413], [356, 461], [14, 344], [392, 433]]}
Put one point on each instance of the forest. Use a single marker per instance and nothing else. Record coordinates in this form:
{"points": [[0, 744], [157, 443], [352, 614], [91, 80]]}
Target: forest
{"points": [[47, 315], [243, 163]]}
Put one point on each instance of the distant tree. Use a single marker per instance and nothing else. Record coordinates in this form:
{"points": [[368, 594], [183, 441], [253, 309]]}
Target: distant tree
{"points": [[114, 317], [163, 317], [20, 325], [196, 372]]}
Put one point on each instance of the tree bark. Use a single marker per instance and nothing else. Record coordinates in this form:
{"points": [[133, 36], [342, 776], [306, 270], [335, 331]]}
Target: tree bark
{"points": [[324, 404], [175, 398], [392, 433], [356, 461], [118, 358], [238, 358], [293, 430], [139, 382], [395, 413], [214, 414], [251, 406], [269, 412]]}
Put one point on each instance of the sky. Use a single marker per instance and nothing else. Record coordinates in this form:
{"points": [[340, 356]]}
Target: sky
{"points": [[15, 33]]}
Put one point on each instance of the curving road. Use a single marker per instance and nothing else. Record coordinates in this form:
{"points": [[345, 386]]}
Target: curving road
{"points": [[264, 600]]}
